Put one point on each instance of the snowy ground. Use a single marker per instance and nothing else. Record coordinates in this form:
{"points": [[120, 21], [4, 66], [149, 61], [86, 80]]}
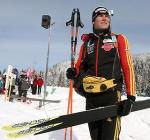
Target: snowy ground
{"points": [[136, 126]]}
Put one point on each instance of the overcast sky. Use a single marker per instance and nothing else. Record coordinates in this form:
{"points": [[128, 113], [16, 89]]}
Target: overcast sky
{"points": [[23, 42]]}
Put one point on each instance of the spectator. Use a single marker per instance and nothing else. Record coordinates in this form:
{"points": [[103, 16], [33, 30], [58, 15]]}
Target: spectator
{"points": [[1, 85], [34, 88], [39, 84], [23, 87]]}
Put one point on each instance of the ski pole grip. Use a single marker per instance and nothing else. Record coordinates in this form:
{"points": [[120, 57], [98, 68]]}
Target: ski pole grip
{"points": [[79, 23], [71, 22]]}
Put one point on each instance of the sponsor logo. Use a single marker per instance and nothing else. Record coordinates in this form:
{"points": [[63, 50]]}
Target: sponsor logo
{"points": [[90, 49], [90, 87], [108, 46]]}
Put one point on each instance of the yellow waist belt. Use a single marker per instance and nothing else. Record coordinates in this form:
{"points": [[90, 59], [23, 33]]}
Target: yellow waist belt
{"points": [[92, 84]]}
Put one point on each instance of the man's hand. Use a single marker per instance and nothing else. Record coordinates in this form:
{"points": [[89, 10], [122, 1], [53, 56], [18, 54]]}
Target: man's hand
{"points": [[71, 73], [126, 106]]}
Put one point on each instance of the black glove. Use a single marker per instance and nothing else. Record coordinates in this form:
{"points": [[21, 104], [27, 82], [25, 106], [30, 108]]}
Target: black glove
{"points": [[71, 73], [126, 106]]}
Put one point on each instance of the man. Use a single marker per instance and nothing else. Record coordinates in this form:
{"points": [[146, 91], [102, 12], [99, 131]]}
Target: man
{"points": [[104, 61], [23, 87], [40, 83], [1, 84], [34, 85]]}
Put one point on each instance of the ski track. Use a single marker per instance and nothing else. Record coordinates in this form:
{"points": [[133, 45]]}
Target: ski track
{"points": [[136, 126]]}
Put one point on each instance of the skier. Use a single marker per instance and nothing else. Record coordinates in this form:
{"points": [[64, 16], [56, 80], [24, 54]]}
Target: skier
{"points": [[23, 87], [31, 84], [39, 84], [34, 85], [4, 81], [1, 85], [104, 63]]}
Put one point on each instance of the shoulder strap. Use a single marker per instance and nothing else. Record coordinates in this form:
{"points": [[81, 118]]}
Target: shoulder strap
{"points": [[114, 39]]}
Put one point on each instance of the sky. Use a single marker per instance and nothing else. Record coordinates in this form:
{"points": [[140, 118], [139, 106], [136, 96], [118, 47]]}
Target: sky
{"points": [[23, 42]]}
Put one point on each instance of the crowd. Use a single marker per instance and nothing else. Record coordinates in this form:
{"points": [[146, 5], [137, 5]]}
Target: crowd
{"points": [[21, 83]]}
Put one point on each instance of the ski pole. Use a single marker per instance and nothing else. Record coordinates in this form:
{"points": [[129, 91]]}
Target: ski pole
{"points": [[71, 22], [75, 23]]}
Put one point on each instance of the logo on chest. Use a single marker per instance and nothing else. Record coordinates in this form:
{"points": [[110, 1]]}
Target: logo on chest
{"points": [[107, 45], [90, 48]]}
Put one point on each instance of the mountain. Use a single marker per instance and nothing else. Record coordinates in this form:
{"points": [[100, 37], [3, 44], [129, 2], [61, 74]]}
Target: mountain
{"points": [[57, 75]]}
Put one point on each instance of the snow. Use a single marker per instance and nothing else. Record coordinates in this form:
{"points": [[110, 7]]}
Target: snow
{"points": [[135, 126]]}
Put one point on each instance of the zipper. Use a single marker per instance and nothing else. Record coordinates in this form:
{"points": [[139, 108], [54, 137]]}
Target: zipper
{"points": [[97, 54]]}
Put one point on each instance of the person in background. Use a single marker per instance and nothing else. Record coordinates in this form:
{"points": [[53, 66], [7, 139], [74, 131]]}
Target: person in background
{"points": [[23, 87], [34, 86], [1, 85], [31, 83], [40, 83], [4, 81]]}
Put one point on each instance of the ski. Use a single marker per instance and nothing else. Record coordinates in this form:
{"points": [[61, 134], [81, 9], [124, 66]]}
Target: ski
{"points": [[29, 131], [89, 116], [10, 77], [45, 100], [40, 126], [22, 125]]}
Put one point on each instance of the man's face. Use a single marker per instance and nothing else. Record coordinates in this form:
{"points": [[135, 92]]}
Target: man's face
{"points": [[102, 22]]}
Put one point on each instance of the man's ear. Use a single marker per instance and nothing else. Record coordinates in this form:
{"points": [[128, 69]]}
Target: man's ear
{"points": [[93, 22]]}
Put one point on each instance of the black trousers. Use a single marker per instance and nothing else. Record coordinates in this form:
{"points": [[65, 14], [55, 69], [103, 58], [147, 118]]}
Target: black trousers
{"points": [[34, 90], [23, 93], [39, 89], [107, 129], [31, 85]]}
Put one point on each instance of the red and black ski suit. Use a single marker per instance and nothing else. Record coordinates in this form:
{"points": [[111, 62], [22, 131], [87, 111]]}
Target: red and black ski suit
{"points": [[109, 61]]}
